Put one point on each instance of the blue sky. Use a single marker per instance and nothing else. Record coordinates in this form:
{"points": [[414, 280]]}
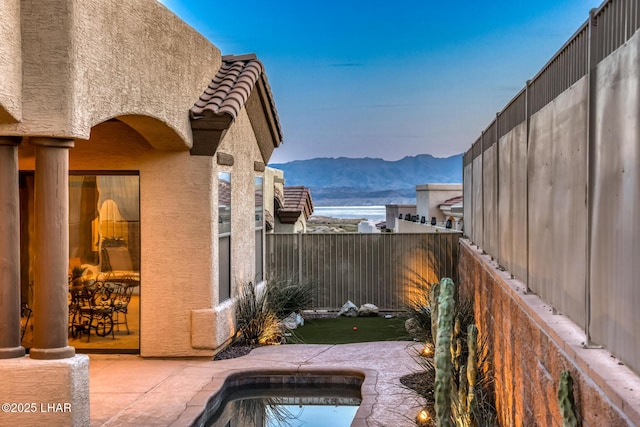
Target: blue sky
{"points": [[382, 79]]}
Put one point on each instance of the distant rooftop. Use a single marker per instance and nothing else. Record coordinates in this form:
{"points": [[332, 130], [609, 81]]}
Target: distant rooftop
{"points": [[297, 201]]}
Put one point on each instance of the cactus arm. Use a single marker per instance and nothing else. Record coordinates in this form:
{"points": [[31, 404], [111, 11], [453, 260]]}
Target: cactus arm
{"points": [[472, 372], [434, 293], [566, 400]]}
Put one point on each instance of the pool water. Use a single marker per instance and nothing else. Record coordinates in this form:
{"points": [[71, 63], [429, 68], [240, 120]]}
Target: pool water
{"points": [[273, 403], [314, 416]]}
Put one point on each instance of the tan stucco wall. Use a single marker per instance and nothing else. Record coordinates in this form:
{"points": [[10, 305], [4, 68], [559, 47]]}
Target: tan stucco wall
{"points": [[10, 62], [240, 142], [136, 61], [273, 179], [211, 327], [430, 196], [83, 68], [176, 214], [300, 226], [66, 388], [403, 226], [179, 243]]}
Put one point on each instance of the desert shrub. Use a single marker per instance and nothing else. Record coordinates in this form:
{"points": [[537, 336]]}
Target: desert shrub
{"points": [[257, 322], [285, 296], [418, 312]]}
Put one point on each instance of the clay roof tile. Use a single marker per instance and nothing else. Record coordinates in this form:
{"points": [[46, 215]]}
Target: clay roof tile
{"points": [[231, 86]]}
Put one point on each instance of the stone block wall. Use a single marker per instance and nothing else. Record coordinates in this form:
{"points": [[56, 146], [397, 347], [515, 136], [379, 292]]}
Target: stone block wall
{"points": [[530, 347]]}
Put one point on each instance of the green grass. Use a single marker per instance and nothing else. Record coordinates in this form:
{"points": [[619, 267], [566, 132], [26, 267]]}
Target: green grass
{"points": [[340, 330]]}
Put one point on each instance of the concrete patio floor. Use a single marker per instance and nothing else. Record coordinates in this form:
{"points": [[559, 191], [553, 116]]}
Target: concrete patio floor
{"points": [[128, 390]]}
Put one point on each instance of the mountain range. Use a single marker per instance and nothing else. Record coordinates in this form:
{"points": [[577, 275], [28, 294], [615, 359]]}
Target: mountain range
{"points": [[346, 181]]}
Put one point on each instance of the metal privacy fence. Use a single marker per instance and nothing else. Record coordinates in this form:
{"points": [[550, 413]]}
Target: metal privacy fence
{"points": [[551, 186], [386, 269]]}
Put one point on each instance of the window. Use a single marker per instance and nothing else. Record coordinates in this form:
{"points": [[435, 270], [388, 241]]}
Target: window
{"points": [[104, 258], [224, 233], [259, 225]]}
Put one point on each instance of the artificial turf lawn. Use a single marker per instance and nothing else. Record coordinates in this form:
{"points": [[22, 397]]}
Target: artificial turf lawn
{"points": [[340, 330]]}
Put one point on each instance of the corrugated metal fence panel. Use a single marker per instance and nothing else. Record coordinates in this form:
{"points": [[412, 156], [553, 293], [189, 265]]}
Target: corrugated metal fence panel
{"points": [[490, 200], [542, 215], [383, 269], [283, 255], [518, 200], [513, 114], [564, 69], [569, 148], [557, 210], [616, 208], [617, 21], [512, 203], [540, 203], [467, 202], [476, 219], [504, 203]]}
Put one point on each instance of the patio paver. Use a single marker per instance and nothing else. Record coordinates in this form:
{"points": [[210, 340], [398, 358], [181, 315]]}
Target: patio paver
{"points": [[128, 390]]}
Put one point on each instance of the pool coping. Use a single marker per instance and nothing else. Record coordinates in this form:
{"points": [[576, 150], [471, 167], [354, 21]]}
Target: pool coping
{"points": [[375, 376]]}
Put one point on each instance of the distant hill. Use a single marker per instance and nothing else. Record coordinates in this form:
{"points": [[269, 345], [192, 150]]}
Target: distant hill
{"points": [[367, 181]]}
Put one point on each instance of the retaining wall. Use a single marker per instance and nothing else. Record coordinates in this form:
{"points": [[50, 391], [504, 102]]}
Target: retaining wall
{"points": [[530, 347]]}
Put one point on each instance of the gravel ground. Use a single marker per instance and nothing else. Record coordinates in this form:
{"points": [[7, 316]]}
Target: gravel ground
{"points": [[234, 350]]}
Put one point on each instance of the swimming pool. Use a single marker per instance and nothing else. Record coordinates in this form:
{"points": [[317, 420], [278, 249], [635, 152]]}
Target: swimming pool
{"points": [[284, 400]]}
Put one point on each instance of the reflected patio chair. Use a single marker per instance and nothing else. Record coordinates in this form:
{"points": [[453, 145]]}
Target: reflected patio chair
{"points": [[26, 314], [90, 308], [120, 297]]}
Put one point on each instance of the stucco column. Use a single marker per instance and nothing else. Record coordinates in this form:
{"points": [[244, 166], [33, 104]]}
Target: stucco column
{"points": [[50, 307], [9, 250]]}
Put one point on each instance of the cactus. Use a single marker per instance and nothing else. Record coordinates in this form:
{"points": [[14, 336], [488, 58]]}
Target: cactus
{"points": [[434, 292], [472, 372], [457, 327], [566, 401], [456, 345], [443, 381], [462, 388], [456, 353]]}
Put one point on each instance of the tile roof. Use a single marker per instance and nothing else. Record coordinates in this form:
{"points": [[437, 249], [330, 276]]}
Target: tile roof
{"points": [[297, 201], [227, 94], [452, 201], [224, 193], [230, 88]]}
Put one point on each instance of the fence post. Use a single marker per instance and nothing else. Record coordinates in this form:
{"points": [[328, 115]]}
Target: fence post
{"points": [[591, 150], [484, 236], [300, 257], [527, 108], [498, 256]]}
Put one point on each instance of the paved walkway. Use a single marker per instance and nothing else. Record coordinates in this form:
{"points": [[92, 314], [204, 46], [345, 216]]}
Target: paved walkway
{"points": [[130, 391]]}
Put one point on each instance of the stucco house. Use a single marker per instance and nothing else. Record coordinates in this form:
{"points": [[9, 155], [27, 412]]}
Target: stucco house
{"points": [[287, 208], [130, 147], [439, 205]]}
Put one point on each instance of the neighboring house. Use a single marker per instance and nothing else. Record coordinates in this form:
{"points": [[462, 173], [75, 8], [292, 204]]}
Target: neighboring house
{"points": [[452, 209], [125, 136], [287, 209], [273, 196], [394, 212], [436, 204], [298, 207], [430, 196]]}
